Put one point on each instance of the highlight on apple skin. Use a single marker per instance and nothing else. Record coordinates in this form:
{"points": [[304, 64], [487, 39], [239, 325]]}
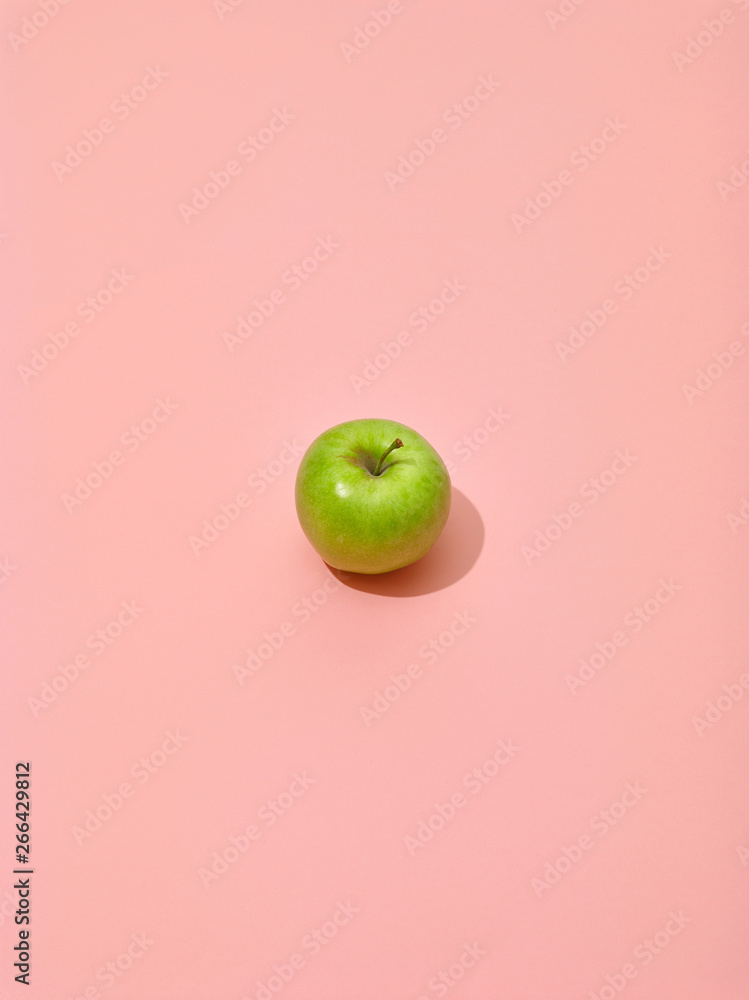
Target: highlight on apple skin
{"points": [[372, 495]]}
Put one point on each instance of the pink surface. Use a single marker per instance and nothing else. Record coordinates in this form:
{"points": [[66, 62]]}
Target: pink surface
{"points": [[514, 770]]}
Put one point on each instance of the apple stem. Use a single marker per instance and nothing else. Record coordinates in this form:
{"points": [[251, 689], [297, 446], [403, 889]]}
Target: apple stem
{"points": [[396, 444]]}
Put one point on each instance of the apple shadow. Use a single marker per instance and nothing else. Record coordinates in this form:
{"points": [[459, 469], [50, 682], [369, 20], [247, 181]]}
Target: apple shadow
{"points": [[451, 557]]}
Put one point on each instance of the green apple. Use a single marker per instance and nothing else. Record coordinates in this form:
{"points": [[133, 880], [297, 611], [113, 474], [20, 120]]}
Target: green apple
{"points": [[372, 496]]}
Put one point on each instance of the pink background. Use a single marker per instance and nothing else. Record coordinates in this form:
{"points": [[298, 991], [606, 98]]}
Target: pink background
{"points": [[651, 903]]}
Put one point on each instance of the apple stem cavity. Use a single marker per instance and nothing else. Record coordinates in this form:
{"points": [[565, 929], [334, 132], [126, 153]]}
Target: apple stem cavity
{"points": [[396, 444]]}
